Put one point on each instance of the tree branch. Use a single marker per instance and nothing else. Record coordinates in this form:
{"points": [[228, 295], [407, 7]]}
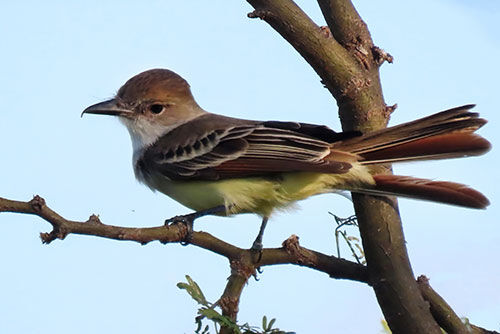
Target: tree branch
{"points": [[343, 75], [244, 263], [348, 66], [334, 267], [351, 32], [241, 270], [346, 25], [443, 313]]}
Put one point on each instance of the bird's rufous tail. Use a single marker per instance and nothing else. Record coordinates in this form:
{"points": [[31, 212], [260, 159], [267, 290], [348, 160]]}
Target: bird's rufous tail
{"points": [[448, 134], [435, 191]]}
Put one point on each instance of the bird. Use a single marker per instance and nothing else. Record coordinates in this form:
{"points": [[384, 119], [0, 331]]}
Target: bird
{"points": [[215, 164]]}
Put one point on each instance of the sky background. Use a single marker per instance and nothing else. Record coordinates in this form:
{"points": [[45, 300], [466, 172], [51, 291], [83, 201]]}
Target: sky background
{"points": [[59, 57]]}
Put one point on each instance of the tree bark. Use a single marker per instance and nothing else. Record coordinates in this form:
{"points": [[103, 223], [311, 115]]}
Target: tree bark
{"points": [[348, 64]]}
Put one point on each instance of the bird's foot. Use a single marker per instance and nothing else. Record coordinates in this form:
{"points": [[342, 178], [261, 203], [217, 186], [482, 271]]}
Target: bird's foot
{"points": [[257, 245], [188, 221], [256, 248]]}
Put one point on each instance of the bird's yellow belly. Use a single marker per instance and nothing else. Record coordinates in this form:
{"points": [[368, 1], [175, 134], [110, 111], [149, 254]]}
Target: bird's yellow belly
{"points": [[261, 195]]}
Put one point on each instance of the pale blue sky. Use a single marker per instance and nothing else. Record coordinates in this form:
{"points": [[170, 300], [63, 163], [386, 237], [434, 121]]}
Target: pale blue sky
{"points": [[58, 57]]}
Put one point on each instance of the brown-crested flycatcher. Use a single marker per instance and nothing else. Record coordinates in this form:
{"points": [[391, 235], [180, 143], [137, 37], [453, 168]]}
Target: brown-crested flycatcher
{"points": [[222, 165]]}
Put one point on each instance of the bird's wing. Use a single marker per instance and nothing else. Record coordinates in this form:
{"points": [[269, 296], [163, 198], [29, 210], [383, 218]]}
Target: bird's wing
{"points": [[231, 148]]}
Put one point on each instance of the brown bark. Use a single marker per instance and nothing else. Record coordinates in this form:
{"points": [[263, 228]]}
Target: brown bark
{"points": [[347, 62], [449, 321]]}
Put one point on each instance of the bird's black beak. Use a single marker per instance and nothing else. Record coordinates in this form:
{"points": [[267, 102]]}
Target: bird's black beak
{"points": [[109, 107]]}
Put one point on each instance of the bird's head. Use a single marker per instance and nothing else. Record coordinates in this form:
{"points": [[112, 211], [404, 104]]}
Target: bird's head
{"points": [[151, 104]]}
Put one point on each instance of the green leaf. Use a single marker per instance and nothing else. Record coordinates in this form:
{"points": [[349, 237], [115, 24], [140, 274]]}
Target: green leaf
{"points": [[209, 313], [194, 291], [271, 323], [264, 323], [222, 320]]}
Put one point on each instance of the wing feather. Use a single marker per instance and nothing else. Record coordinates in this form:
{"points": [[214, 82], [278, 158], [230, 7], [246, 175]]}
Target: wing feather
{"points": [[242, 150]]}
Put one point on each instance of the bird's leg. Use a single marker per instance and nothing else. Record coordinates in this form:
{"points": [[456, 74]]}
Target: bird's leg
{"points": [[257, 244], [189, 219]]}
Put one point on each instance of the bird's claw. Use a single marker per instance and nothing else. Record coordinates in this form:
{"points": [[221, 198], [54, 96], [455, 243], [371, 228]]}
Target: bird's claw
{"points": [[188, 221], [185, 219]]}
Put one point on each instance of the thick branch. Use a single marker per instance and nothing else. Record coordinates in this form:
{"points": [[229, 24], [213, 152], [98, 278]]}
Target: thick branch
{"points": [[344, 75], [346, 25], [443, 313], [351, 32], [241, 270], [350, 72], [334, 267], [340, 73]]}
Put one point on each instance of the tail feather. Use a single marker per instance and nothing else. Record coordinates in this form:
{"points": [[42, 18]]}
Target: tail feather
{"points": [[435, 191], [448, 134], [444, 146]]}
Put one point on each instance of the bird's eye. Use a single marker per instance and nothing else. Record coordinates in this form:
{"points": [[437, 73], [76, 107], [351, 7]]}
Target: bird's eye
{"points": [[156, 108]]}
